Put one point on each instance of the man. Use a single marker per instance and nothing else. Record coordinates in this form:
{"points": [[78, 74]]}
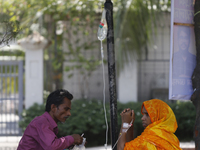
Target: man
{"points": [[41, 132], [184, 63], [183, 59]]}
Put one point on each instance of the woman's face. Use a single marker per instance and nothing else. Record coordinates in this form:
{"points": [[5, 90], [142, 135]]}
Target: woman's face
{"points": [[146, 120]]}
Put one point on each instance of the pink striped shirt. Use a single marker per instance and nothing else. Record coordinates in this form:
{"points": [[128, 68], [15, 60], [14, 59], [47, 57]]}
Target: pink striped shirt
{"points": [[41, 135]]}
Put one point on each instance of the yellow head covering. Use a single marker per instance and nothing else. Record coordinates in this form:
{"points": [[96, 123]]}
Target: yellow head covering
{"points": [[160, 133]]}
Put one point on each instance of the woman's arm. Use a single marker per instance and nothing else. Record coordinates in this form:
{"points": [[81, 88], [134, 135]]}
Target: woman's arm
{"points": [[125, 135], [122, 140], [129, 134]]}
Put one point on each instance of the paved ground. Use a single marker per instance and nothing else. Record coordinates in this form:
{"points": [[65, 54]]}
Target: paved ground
{"points": [[10, 143], [183, 145]]}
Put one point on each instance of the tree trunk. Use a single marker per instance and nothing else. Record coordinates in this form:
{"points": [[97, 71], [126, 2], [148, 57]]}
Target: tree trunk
{"points": [[196, 75]]}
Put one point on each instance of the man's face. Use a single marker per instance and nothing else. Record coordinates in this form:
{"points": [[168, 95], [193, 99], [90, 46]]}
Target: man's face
{"points": [[62, 112], [183, 41], [146, 120]]}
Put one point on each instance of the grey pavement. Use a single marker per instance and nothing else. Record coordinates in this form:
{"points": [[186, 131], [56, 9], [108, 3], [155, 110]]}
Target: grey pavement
{"points": [[11, 142], [182, 145]]}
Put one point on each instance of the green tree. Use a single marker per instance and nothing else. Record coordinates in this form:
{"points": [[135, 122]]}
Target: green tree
{"points": [[8, 28], [52, 19], [134, 22]]}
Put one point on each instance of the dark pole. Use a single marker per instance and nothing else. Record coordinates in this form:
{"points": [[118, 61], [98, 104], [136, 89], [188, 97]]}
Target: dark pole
{"points": [[111, 71], [196, 75]]}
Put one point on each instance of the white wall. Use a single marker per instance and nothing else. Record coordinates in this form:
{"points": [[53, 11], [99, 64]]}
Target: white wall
{"points": [[34, 77], [153, 72], [127, 83]]}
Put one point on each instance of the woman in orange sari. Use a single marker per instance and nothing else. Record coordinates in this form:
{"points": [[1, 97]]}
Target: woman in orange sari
{"points": [[160, 124]]}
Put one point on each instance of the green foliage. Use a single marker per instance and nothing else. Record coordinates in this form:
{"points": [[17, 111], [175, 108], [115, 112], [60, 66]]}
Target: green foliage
{"points": [[17, 53], [77, 22], [135, 21], [87, 116], [8, 31], [29, 114], [73, 19], [185, 114], [9, 26]]}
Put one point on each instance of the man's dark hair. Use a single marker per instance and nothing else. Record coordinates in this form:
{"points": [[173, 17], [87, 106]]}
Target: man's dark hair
{"points": [[57, 98]]}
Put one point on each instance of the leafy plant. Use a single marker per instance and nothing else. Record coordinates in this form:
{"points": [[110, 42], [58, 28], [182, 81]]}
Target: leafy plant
{"points": [[8, 31], [29, 114], [185, 113]]}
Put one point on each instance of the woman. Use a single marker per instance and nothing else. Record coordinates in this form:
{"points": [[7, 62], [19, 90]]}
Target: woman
{"points": [[160, 124]]}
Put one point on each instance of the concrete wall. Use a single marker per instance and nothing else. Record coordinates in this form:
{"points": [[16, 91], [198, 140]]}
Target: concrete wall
{"points": [[87, 87], [153, 69], [127, 83]]}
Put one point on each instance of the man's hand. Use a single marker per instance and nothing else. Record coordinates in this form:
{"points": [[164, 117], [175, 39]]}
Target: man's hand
{"points": [[127, 115], [77, 139]]}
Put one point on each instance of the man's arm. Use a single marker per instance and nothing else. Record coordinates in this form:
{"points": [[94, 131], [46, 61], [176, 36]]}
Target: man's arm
{"points": [[42, 136], [77, 139], [48, 140]]}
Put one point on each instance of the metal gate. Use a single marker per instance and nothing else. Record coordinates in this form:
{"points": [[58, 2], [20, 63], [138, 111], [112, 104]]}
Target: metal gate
{"points": [[11, 97]]}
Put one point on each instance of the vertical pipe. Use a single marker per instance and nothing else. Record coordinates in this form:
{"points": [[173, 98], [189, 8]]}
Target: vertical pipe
{"points": [[1, 99], [111, 70], [10, 100], [6, 97], [15, 99], [20, 91]]}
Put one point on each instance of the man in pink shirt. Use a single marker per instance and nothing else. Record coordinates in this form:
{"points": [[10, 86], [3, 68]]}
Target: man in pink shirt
{"points": [[41, 132]]}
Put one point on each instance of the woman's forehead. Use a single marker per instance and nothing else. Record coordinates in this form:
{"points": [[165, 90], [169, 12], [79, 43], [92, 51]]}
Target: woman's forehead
{"points": [[144, 110]]}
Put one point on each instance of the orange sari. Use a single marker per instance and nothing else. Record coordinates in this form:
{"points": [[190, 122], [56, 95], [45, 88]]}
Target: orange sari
{"points": [[159, 135]]}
